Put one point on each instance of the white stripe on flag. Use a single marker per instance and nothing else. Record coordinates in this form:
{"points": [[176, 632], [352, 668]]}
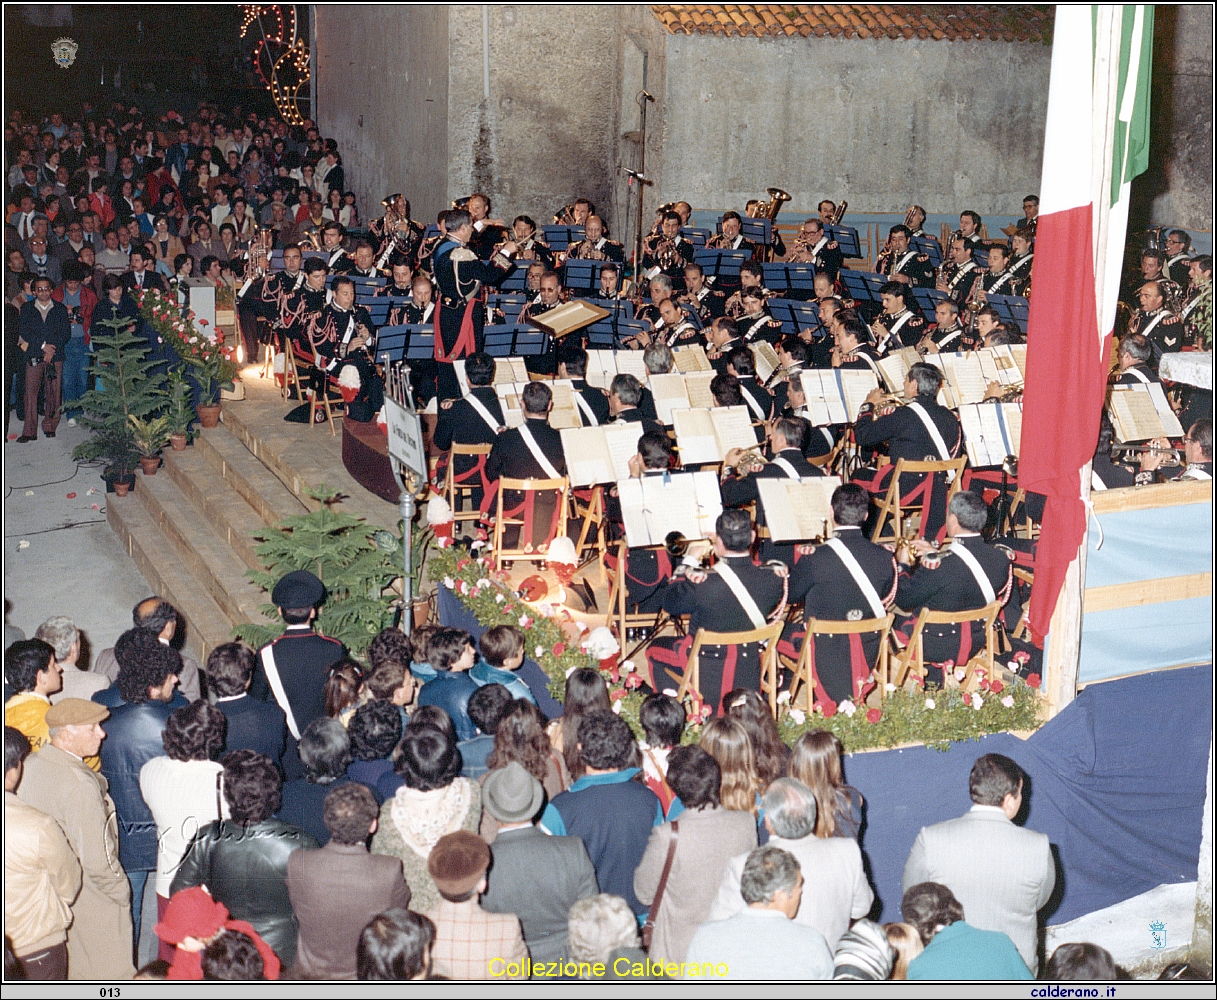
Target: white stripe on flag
{"points": [[1064, 185]]}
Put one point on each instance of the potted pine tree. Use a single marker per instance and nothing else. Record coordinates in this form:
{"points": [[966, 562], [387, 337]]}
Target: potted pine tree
{"points": [[125, 390], [178, 408]]}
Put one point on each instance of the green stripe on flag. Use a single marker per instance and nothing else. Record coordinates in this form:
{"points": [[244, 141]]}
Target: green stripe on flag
{"points": [[1130, 147]]}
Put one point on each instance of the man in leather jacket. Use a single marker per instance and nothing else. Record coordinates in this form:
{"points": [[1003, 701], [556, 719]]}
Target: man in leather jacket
{"points": [[243, 860], [147, 675]]}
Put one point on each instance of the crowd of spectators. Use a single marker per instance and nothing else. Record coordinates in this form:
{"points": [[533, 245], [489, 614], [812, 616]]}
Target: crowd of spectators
{"points": [[398, 839], [101, 204]]}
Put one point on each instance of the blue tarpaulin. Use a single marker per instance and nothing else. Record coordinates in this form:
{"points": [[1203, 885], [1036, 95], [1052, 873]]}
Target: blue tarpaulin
{"points": [[1116, 781]]}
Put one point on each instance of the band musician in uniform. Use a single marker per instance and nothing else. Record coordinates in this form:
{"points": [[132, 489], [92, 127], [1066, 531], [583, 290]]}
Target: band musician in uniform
{"points": [[397, 235], [735, 595], [848, 578], [292, 669], [475, 418], [596, 245], [667, 252], [921, 430], [967, 576], [907, 265], [531, 451], [460, 277]]}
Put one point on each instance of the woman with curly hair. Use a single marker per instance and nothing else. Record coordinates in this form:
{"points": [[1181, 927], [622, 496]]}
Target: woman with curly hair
{"points": [[182, 790], [521, 737], [751, 711], [815, 760], [434, 800]]}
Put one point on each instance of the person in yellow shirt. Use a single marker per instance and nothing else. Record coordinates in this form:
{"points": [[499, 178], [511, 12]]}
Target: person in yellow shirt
{"points": [[32, 674]]}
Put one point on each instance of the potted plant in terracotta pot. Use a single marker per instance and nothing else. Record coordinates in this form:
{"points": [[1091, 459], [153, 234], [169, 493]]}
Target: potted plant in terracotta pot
{"points": [[178, 409], [150, 436], [213, 372], [120, 461]]}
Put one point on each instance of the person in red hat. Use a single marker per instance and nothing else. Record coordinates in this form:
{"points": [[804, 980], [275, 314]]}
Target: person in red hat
{"points": [[192, 921]]}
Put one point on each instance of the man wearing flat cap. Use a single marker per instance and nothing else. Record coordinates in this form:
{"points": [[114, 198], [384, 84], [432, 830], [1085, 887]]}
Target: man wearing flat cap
{"points": [[58, 783], [292, 669], [534, 876], [469, 942]]}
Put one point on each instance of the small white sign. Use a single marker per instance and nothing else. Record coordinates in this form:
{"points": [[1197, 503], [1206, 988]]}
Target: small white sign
{"points": [[405, 437], [203, 305]]}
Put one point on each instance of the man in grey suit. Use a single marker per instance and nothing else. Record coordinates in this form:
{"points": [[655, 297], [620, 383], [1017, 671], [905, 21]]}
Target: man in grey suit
{"points": [[835, 890], [533, 875], [1002, 874]]}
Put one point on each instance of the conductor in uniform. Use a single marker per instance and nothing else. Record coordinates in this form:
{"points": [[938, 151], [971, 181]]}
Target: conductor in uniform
{"points": [[849, 578], [968, 576], [734, 596], [460, 277], [292, 669]]}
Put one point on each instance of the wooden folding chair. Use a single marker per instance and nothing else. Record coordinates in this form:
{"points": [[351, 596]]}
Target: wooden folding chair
{"points": [[592, 514], [802, 673], [828, 461], [769, 658], [913, 658], [320, 398], [893, 506], [618, 618], [291, 375], [561, 486], [454, 492], [1021, 630]]}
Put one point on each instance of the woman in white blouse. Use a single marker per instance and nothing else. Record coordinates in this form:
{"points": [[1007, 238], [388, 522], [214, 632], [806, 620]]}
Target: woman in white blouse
{"points": [[182, 789]]}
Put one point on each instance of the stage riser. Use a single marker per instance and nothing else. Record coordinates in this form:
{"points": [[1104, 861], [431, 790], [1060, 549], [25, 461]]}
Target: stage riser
{"points": [[153, 554], [271, 459]]}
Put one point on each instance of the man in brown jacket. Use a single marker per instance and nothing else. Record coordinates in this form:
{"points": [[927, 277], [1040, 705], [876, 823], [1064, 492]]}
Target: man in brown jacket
{"points": [[41, 875], [58, 783], [337, 889]]}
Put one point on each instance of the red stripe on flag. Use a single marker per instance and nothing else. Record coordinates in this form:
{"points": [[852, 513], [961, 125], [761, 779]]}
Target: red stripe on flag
{"points": [[1065, 387]]}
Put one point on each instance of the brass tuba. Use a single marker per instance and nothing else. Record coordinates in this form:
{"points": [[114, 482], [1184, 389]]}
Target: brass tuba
{"points": [[769, 209]]}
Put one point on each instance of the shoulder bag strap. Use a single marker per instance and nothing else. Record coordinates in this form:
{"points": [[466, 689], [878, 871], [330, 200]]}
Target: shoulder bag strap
{"points": [[586, 407], [860, 578], [785, 466], [546, 465], [480, 409], [969, 560], [648, 928], [276, 686], [732, 580]]}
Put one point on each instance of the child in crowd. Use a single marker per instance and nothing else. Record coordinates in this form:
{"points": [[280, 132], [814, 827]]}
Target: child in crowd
{"points": [[486, 707], [342, 690], [390, 655], [451, 654], [502, 649], [663, 721], [420, 666]]}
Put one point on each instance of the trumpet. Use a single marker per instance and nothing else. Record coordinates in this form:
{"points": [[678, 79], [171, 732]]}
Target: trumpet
{"points": [[1145, 449], [676, 545]]}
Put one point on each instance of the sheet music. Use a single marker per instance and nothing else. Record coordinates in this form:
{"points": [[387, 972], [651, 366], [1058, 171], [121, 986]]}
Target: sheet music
{"points": [[695, 437], [964, 372], [601, 367], [565, 412], [856, 385], [697, 386], [1134, 415], [825, 403], [766, 360], [670, 394], [895, 371], [1170, 422], [997, 364], [596, 455], [733, 428], [510, 370], [798, 510], [631, 363], [509, 400], [692, 359], [991, 431], [1019, 353], [653, 506]]}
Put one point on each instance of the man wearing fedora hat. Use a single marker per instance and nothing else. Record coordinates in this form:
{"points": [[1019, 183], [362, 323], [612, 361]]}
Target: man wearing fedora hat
{"points": [[292, 669], [58, 782], [469, 942], [534, 876]]}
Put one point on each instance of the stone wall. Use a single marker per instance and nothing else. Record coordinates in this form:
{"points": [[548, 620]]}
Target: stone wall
{"points": [[1177, 189], [382, 92], [881, 123]]}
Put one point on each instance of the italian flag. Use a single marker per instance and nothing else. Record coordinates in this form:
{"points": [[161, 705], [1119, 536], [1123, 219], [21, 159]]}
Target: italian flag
{"points": [[1096, 141]]}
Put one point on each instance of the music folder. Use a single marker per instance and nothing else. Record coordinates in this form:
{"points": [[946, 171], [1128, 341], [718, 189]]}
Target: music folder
{"points": [[1142, 413], [704, 436], [567, 318], [798, 510], [991, 431], [596, 455]]}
